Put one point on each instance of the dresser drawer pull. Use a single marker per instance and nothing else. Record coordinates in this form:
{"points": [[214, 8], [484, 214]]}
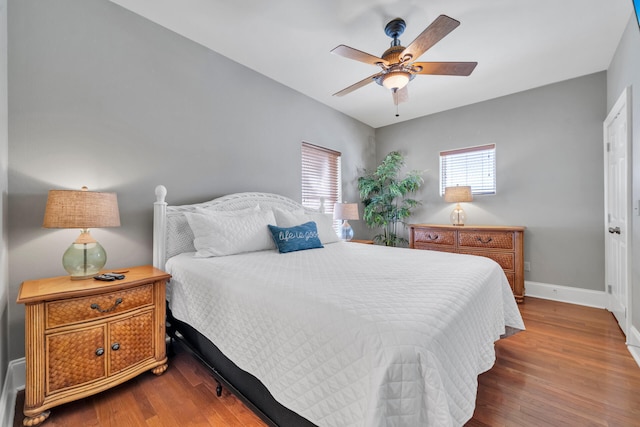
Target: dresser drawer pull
{"points": [[430, 237], [95, 306], [485, 241], [115, 346], [100, 351]]}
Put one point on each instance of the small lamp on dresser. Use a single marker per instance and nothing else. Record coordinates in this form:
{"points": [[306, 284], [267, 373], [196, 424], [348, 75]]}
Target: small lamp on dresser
{"points": [[345, 212], [82, 209], [457, 195]]}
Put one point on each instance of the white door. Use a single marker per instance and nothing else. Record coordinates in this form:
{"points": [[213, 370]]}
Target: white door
{"points": [[617, 231]]}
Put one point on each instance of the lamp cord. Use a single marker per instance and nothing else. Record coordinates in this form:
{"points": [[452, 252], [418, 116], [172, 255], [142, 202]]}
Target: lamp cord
{"points": [[85, 258]]}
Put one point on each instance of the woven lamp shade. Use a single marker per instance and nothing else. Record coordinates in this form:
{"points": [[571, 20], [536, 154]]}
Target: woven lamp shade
{"points": [[458, 194], [345, 211], [81, 209]]}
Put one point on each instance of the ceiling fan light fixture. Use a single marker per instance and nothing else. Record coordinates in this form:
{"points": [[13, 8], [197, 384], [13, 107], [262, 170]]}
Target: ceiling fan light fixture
{"points": [[396, 79]]}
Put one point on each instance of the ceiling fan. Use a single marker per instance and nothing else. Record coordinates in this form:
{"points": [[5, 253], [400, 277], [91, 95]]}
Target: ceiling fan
{"points": [[397, 62]]}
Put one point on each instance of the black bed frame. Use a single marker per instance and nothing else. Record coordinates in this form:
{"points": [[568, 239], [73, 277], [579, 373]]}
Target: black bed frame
{"points": [[242, 384]]}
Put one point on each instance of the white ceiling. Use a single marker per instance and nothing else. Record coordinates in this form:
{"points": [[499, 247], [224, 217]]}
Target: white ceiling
{"points": [[518, 44]]}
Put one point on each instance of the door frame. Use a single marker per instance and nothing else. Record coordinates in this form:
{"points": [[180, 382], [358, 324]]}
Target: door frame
{"points": [[622, 106]]}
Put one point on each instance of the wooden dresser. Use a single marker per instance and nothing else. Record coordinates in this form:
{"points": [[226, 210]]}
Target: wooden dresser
{"points": [[503, 244], [85, 336]]}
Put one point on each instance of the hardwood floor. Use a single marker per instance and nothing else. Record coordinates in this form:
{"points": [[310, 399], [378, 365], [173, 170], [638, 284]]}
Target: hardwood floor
{"points": [[570, 368]]}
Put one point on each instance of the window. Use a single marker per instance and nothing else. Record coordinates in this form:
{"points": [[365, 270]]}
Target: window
{"points": [[321, 177], [473, 166]]}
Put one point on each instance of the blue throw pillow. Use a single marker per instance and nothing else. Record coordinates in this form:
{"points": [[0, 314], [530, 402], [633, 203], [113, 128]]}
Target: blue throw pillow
{"points": [[298, 238]]}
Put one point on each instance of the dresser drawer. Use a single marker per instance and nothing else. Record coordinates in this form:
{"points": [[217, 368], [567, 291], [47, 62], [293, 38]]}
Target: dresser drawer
{"points": [[59, 313], [433, 237], [485, 239], [506, 260], [511, 277], [439, 248]]}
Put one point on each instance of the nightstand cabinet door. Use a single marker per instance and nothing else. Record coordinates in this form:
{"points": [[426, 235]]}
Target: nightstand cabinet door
{"points": [[130, 341], [73, 358]]}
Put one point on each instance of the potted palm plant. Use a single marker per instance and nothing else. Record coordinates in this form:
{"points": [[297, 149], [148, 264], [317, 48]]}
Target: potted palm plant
{"points": [[384, 195]]}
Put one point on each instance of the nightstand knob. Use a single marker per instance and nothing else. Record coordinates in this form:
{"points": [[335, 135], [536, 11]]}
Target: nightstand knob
{"points": [[100, 351], [115, 346]]}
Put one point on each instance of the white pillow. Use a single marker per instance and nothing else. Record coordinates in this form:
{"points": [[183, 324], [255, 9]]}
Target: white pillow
{"points": [[180, 235], [220, 233], [324, 223]]}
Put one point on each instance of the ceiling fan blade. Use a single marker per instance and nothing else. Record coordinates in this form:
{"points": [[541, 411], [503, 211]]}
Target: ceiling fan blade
{"points": [[358, 85], [435, 32], [358, 55], [444, 68], [400, 95]]}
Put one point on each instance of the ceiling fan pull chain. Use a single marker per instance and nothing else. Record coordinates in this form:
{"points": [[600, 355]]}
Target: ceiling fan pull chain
{"points": [[396, 100]]}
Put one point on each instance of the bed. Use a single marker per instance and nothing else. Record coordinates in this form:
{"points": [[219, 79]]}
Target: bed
{"points": [[340, 334]]}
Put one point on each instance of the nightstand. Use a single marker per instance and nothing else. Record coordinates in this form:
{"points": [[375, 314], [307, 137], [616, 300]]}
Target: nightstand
{"points": [[86, 336]]}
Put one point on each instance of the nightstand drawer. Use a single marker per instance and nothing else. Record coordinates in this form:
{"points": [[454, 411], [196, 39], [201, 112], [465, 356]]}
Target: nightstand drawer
{"points": [[485, 239], [434, 237], [82, 309]]}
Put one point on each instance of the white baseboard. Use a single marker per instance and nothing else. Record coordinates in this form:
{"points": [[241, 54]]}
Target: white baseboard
{"points": [[586, 297], [567, 294], [634, 337], [13, 382], [633, 344]]}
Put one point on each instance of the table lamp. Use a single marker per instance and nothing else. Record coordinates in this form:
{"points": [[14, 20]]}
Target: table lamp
{"points": [[82, 209], [458, 194], [345, 212]]}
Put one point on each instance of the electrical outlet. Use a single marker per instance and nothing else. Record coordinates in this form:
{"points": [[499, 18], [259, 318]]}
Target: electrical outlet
{"points": [[527, 266]]}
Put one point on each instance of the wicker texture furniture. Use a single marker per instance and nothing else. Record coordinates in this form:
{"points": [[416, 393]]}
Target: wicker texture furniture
{"points": [[503, 244], [83, 337]]}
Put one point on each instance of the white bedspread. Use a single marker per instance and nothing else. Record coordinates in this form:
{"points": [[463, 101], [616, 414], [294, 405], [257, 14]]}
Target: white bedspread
{"points": [[353, 334]]}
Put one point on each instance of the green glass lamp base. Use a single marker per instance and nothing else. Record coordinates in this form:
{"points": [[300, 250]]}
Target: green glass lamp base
{"points": [[84, 260]]}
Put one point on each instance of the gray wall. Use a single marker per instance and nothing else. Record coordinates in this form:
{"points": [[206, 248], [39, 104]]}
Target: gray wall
{"points": [[101, 97], [549, 172], [624, 71], [4, 155]]}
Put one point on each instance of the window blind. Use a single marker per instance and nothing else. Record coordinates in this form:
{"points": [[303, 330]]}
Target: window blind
{"points": [[472, 166], [321, 177]]}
